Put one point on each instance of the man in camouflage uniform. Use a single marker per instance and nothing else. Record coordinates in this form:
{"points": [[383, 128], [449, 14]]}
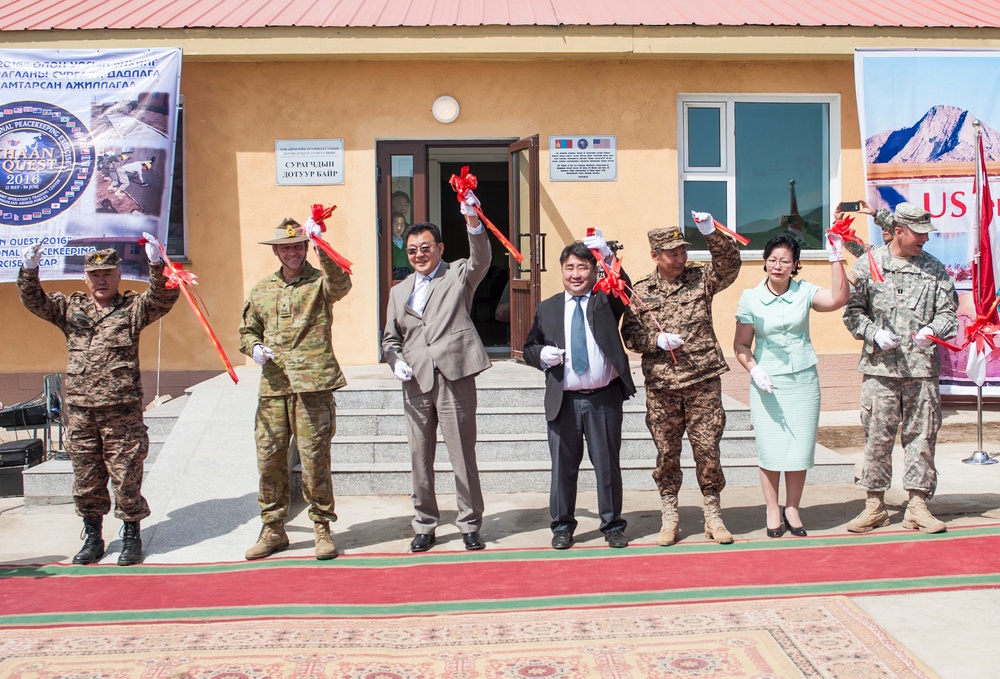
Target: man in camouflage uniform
{"points": [[103, 391], [682, 364], [901, 366], [883, 218], [286, 330]]}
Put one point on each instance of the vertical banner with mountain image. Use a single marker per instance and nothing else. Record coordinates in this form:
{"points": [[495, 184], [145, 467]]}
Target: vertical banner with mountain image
{"points": [[86, 154], [916, 110]]}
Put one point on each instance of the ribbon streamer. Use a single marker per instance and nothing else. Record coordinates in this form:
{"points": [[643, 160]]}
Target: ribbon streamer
{"points": [[842, 228], [319, 215], [742, 240], [466, 182], [178, 278]]}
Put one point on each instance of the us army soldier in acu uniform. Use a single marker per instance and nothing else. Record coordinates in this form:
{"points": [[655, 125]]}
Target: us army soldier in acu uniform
{"points": [[103, 391], [286, 330], [901, 366]]}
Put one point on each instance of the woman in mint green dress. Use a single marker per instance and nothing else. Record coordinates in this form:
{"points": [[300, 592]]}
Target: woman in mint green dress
{"points": [[784, 390]]}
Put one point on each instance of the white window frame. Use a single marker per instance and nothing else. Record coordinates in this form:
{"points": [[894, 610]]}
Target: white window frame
{"points": [[727, 173]]}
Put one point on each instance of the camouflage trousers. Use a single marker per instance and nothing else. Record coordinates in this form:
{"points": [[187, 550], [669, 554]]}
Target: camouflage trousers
{"points": [[697, 409], [311, 418], [885, 403], [108, 442]]}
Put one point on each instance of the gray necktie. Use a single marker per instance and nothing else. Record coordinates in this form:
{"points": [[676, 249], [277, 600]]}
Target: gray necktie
{"points": [[578, 339]]}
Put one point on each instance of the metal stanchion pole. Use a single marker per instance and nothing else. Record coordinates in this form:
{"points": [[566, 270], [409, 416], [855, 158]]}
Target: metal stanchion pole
{"points": [[979, 456]]}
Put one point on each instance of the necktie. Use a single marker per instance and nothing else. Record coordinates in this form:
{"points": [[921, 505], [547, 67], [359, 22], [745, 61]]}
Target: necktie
{"points": [[578, 339], [420, 293]]}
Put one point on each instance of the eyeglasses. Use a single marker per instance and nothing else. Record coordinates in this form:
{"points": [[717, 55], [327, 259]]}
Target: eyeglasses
{"points": [[774, 262], [424, 249]]}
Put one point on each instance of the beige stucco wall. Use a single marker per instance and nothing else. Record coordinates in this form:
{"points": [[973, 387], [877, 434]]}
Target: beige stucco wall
{"points": [[235, 111]]}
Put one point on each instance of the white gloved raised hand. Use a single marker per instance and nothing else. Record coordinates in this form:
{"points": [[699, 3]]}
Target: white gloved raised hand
{"points": [[31, 255], [704, 222], [922, 338], [262, 354], [597, 242], [667, 341], [152, 247], [551, 356], [402, 371], [466, 206], [760, 378], [886, 340], [312, 229], [834, 247]]}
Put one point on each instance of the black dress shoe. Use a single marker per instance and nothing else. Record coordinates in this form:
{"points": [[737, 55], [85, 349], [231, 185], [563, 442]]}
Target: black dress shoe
{"points": [[616, 538], [421, 542], [562, 539], [776, 532], [473, 541], [797, 531]]}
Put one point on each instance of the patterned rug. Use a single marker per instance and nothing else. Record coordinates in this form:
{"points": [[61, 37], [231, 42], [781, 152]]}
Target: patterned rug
{"points": [[813, 637]]}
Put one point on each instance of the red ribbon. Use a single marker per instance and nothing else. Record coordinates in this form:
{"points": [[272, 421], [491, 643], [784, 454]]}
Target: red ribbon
{"points": [[981, 332], [842, 228], [742, 240], [467, 182], [319, 215], [178, 278]]}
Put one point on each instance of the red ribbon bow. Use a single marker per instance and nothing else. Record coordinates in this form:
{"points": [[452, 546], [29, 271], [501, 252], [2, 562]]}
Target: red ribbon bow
{"points": [[842, 228], [468, 182], [319, 215], [982, 333], [178, 276]]}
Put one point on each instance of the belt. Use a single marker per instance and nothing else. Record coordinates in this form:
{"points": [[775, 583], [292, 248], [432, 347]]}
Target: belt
{"points": [[588, 392]]}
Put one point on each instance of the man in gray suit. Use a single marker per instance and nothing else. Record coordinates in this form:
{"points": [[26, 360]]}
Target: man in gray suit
{"points": [[432, 346]]}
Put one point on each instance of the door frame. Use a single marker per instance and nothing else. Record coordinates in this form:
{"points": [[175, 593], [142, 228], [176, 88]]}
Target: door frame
{"points": [[525, 293]]}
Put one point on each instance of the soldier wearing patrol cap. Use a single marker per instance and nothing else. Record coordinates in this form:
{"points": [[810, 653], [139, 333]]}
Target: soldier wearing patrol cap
{"points": [[103, 392], [286, 330], [900, 365], [682, 364]]}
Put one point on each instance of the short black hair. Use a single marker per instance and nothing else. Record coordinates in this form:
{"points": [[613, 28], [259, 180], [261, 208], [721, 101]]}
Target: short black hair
{"points": [[420, 227], [578, 249], [783, 240], [401, 194]]}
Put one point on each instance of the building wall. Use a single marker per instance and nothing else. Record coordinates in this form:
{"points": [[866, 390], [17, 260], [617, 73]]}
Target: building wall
{"points": [[236, 110]]}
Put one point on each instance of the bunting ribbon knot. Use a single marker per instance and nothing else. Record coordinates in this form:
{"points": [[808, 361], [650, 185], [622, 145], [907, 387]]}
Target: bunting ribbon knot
{"points": [[467, 181]]}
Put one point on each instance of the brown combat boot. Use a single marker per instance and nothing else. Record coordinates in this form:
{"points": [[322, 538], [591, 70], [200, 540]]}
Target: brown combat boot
{"points": [[917, 515], [670, 531], [272, 539], [325, 549], [872, 516], [714, 528]]}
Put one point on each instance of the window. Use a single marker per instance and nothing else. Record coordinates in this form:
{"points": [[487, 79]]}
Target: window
{"points": [[760, 164], [177, 226]]}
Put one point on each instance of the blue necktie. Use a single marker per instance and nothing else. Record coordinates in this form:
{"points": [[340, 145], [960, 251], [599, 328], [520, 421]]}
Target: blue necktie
{"points": [[578, 339]]}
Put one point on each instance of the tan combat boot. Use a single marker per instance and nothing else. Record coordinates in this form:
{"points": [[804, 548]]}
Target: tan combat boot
{"points": [[670, 531], [917, 515], [272, 539], [714, 528], [325, 549], [872, 516]]}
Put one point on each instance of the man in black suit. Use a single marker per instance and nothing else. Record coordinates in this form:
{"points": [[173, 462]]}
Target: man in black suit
{"points": [[575, 340]]}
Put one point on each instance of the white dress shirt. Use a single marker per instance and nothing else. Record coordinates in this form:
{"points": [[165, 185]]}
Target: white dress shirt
{"points": [[601, 372]]}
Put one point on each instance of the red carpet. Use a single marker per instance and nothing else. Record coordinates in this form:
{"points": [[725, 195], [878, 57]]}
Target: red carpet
{"points": [[503, 579]]}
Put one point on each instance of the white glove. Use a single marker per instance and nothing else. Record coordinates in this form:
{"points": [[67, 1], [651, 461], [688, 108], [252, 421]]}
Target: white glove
{"points": [[886, 340], [834, 247], [921, 339], [262, 354], [760, 378], [466, 206], [597, 242], [402, 371], [312, 229], [704, 222], [551, 356], [152, 248], [667, 341], [31, 255]]}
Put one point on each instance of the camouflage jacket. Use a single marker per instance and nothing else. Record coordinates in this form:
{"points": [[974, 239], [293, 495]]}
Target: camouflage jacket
{"points": [[294, 320], [883, 218], [684, 307], [916, 293], [103, 364]]}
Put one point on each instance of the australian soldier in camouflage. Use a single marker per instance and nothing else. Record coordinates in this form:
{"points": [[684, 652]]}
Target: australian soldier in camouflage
{"points": [[103, 391], [682, 363], [286, 330], [900, 364]]}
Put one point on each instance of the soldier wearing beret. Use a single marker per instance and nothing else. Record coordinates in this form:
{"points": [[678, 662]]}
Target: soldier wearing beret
{"points": [[901, 366], [682, 364], [103, 391], [286, 330]]}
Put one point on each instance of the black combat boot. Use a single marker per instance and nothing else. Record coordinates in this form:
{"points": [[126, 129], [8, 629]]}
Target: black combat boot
{"points": [[131, 544], [93, 542]]}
